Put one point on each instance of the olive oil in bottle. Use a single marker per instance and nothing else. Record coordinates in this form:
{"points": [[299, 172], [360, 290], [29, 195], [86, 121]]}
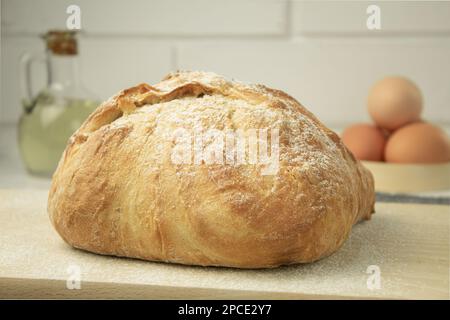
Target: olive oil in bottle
{"points": [[43, 134], [53, 115]]}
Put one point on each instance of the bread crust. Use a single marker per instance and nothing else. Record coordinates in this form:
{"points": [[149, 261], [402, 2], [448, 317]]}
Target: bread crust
{"points": [[116, 192]]}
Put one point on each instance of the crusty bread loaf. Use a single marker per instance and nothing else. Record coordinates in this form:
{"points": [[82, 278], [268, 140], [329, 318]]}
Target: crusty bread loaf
{"points": [[118, 191]]}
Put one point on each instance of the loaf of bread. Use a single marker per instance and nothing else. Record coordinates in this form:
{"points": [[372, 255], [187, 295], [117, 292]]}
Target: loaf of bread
{"points": [[178, 172]]}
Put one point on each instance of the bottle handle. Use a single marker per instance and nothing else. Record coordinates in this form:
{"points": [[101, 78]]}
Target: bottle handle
{"points": [[27, 61]]}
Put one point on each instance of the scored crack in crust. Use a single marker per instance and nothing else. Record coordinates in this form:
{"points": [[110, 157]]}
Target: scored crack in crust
{"points": [[117, 192]]}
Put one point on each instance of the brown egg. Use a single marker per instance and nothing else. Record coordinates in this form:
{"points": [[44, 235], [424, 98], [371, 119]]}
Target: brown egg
{"points": [[419, 142], [394, 102], [365, 141]]}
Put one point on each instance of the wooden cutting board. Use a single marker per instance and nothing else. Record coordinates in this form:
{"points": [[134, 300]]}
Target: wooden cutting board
{"points": [[407, 243]]}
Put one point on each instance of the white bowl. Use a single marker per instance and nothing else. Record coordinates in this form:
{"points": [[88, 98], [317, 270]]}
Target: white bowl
{"points": [[394, 177]]}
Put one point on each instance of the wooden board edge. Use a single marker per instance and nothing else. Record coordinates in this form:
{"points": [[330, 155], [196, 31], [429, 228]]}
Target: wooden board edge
{"points": [[13, 288]]}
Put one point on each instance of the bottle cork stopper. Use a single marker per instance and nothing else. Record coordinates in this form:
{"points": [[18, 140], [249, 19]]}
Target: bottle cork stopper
{"points": [[61, 42]]}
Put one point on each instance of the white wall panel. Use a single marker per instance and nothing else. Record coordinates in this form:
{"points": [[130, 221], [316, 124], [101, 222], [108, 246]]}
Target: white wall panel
{"points": [[349, 17], [332, 78], [150, 17]]}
